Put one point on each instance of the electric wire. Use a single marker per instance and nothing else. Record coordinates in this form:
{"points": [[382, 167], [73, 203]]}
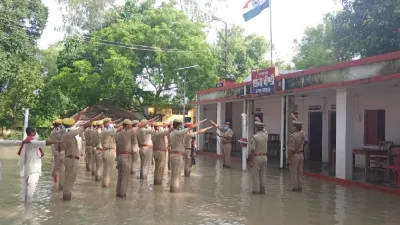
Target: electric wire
{"points": [[140, 47]]}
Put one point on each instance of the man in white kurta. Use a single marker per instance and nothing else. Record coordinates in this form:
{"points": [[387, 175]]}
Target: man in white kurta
{"points": [[30, 163]]}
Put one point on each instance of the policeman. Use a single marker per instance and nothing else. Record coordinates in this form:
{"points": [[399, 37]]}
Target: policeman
{"points": [[258, 158], [295, 155]]}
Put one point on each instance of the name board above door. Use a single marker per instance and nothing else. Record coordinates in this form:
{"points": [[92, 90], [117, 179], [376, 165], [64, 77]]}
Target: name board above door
{"points": [[314, 107], [264, 81]]}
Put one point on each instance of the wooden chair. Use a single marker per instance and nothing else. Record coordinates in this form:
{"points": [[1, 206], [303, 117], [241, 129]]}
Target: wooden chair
{"points": [[381, 162]]}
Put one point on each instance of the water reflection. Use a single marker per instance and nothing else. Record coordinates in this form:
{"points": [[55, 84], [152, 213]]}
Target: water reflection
{"points": [[212, 195]]}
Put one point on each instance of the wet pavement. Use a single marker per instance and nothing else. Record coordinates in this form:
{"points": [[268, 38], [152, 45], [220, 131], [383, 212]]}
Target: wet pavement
{"points": [[212, 195]]}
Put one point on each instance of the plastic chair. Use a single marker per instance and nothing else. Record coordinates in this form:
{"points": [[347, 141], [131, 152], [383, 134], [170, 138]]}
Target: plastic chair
{"points": [[395, 168]]}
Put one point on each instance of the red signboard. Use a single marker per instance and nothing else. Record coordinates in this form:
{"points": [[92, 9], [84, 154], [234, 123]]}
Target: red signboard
{"points": [[263, 81]]}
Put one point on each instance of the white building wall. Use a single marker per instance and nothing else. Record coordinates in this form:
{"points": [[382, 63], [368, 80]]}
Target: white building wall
{"points": [[271, 109], [325, 100], [372, 100], [237, 110]]}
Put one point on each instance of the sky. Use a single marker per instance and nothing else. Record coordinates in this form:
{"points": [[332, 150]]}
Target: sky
{"points": [[289, 19]]}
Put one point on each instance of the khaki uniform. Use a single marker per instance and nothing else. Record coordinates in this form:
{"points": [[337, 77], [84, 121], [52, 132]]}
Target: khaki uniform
{"points": [[295, 153], [109, 153], [98, 155], [71, 160], [135, 150], [88, 148], [187, 142], [145, 150], [176, 157], [61, 161], [83, 143], [226, 146], [123, 142], [160, 154], [259, 146], [54, 135], [169, 150]]}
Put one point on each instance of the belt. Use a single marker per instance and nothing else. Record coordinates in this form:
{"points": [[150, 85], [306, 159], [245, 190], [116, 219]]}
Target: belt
{"points": [[177, 153], [260, 154], [99, 149], [72, 157], [146, 146], [124, 153], [160, 149], [301, 152]]}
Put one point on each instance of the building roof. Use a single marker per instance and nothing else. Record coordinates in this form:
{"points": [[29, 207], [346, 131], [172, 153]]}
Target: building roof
{"points": [[110, 110]]}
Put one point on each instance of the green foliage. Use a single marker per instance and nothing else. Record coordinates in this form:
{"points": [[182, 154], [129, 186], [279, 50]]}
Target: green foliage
{"points": [[21, 24], [244, 52], [86, 15], [113, 64], [313, 50], [364, 28]]}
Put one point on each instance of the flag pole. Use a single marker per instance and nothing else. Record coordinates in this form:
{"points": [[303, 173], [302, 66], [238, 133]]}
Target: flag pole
{"points": [[270, 32]]}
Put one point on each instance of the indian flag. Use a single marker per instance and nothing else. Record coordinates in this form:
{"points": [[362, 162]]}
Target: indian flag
{"points": [[254, 7]]}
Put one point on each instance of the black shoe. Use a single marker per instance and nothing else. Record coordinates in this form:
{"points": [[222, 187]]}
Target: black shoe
{"points": [[300, 190], [295, 189]]}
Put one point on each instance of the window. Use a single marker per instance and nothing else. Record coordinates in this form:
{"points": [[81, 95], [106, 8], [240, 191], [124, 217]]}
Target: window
{"points": [[176, 111], [179, 111], [374, 127]]}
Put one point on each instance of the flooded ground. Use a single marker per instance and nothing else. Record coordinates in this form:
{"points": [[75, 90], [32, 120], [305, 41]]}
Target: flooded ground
{"points": [[212, 195]]}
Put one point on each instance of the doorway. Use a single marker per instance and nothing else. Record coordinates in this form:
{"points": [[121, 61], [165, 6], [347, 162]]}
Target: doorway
{"points": [[228, 113], [315, 136], [332, 136]]}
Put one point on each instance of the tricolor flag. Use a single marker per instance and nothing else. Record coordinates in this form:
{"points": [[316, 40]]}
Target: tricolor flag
{"points": [[254, 7]]}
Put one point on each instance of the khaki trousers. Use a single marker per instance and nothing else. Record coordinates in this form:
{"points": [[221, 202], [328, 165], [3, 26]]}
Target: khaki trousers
{"points": [[259, 174], [296, 170], [71, 169], [176, 170], [188, 162], [134, 159], [99, 165], [124, 169], [168, 158], [56, 164], [89, 157], [108, 164], [159, 158], [146, 156], [94, 154], [61, 169], [226, 153]]}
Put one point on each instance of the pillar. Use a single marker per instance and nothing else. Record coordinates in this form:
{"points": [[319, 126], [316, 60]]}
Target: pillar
{"points": [[325, 133], [26, 119], [220, 121], [250, 123], [200, 116], [344, 134], [282, 136]]}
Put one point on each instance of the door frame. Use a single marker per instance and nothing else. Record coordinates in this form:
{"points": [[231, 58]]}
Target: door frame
{"points": [[330, 141], [309, 133]]}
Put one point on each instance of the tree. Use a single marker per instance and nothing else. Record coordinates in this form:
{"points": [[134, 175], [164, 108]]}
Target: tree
{"points": [[21, 24], [132, 62], [86, 15], [244, 53], [199, 10], [313, 50], [368, 27]]}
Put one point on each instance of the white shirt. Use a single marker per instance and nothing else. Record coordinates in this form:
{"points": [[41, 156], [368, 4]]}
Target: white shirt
{"points": [[31, 158]]}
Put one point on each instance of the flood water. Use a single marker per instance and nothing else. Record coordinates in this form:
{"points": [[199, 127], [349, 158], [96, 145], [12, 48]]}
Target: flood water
{"points": [[212, 195]]}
